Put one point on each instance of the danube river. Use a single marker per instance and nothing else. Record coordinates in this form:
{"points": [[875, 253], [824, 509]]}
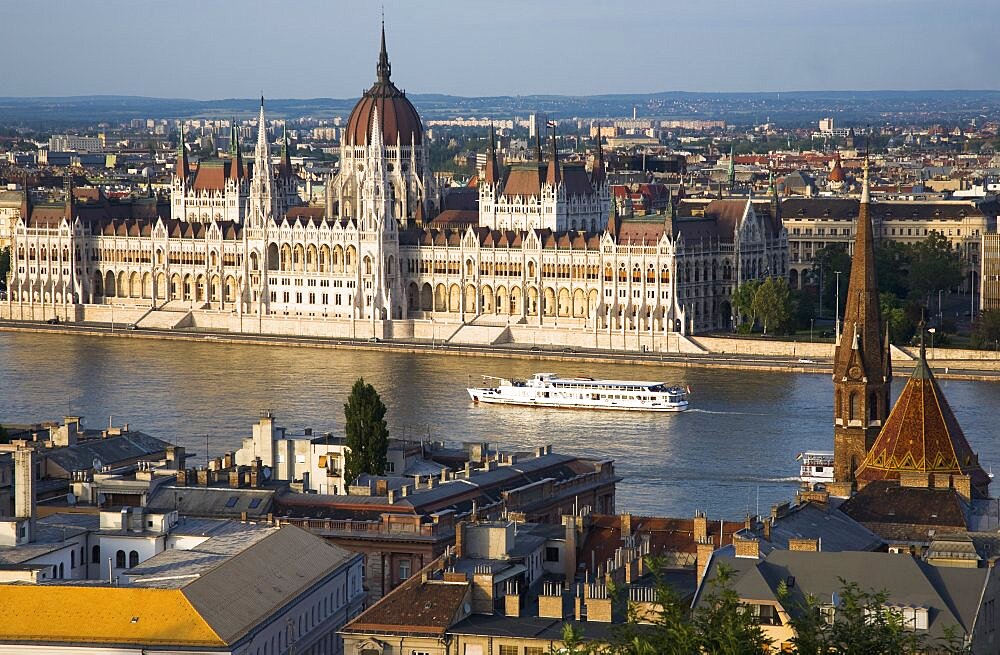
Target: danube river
{"points": [[735, 449]]}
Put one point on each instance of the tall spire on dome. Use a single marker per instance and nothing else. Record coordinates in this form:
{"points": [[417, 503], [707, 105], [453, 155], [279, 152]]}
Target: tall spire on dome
{"points": [[384, 69]]}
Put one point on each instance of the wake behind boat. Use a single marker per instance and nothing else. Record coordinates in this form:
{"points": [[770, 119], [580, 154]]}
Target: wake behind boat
{"points": [[550, 390]]}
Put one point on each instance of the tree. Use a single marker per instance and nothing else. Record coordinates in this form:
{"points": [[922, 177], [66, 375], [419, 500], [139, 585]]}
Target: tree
{"points": [[892, 260], [367, 434], [742, 300], [934, 265], [986, 330], [901, 326], [826, 262], [4, 266], [861, 622], [773, 303]]}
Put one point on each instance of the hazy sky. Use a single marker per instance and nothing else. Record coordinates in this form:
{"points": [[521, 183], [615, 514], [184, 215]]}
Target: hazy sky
{"points": [[327, 48]]}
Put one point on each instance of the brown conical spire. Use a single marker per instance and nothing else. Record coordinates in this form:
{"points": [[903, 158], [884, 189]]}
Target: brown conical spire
{"points": [[922, 435], [554, 176]]}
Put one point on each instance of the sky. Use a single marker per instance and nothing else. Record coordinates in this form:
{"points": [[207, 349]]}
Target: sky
{"points": [[208, 49]]}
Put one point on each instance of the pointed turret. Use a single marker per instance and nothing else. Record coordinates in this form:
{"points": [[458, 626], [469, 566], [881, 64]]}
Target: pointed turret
{"points": [[492, 173], [285, 169], [861, 367], [261, 203], [69, 207], [236, 167], [612, 228], [181, 167], [554, 175], [26, 200], [538, 146], [732, 169], [772, 192], [922, 435], [598, 175]]}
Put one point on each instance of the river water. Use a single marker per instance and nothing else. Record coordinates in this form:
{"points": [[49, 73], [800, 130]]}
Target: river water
{"points": [[734, 451]]}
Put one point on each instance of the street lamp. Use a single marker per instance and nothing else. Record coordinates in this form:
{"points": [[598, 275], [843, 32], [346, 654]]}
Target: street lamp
{"points": [[932, 331], [811, 321], [836, 324]]}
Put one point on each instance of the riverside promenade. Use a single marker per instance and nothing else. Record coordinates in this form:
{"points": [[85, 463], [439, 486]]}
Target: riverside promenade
{"points": [[709, 352]]}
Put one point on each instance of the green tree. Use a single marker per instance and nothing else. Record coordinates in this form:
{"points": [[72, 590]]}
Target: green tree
{"points": [[934, 265], [901, 326], [773, 303], [4, 435], [742, 300], [826, 262], [862, 622], [367, 433], [986, 331], [892, 261], [726, 625], [4, 266]]}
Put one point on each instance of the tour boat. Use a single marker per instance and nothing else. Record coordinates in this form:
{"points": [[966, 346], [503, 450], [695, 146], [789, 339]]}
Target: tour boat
{"points": [[816, 467], [550, 390]]}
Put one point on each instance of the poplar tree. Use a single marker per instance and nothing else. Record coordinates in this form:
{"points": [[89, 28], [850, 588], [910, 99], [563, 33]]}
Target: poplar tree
{"points": [[366, 431]]}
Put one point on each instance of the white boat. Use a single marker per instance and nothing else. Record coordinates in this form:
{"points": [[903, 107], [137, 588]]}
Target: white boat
{"points": [[550, 390], [816, 467]]}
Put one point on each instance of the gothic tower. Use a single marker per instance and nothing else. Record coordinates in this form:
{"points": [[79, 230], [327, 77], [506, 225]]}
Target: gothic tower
{"points": [[262, 209], [862, 370]]}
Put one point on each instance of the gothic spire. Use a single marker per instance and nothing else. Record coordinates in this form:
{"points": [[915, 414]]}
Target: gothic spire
{"points": [[597, 176], [554, 176], [492, 173], [732, 169], [384, 69], [286, 157], [68, 183], [236, 165], [262, 187], [181, 165]]}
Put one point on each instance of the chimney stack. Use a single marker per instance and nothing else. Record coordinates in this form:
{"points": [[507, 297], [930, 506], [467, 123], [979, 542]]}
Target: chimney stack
{"points": [[24, 487]]}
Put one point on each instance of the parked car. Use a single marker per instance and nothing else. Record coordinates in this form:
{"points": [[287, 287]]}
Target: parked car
{"points": [[53, 321], [373, 339], [130, 327]]}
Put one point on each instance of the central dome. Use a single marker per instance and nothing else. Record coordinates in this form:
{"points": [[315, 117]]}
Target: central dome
{"points": [[398, 119]]}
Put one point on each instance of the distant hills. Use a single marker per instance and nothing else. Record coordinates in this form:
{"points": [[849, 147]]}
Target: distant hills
{"points": [[785, 108]]}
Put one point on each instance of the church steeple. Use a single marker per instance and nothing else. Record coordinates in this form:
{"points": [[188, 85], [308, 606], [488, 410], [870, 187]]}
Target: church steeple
{"points": [[598, 175], [181, 165], [861, 367]]}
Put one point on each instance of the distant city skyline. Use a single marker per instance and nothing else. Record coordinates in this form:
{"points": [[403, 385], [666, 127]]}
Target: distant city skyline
{"points": [[317, 48]]}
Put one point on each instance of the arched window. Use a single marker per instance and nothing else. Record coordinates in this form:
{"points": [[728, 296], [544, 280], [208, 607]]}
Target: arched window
{"points": [[133, 558], [62, 571], [95, 554], [72, 559], [120, 559], [853, 410]]}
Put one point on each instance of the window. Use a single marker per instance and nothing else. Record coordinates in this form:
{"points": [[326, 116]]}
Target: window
{"points": [[232, 501], [133, 558], [508, 650], [551, 554], [255, 503], [404, 569], [120, 559], [533, 650], [95, 554]]}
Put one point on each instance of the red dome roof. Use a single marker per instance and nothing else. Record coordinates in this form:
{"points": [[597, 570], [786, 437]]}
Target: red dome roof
{"points": [[398, 119]]}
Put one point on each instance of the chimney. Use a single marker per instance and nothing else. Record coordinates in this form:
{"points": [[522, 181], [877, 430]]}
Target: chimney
{"points": [[768, 522], [804, 545], [700, 527], [382, 487], [445, 475], [626, 523], [391, 494], [915, 479], [705, 548], [459, 537], [227, 461], [569, 550], [24, 487], [512, 599], [551, 603], [747, 548]]}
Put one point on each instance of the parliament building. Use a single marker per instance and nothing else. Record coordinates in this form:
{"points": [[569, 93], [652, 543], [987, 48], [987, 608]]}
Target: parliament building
{"points": [[544, 258]]}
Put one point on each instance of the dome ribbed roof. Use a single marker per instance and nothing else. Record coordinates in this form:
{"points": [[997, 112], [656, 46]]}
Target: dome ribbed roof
{"points": [[398, 119]]}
